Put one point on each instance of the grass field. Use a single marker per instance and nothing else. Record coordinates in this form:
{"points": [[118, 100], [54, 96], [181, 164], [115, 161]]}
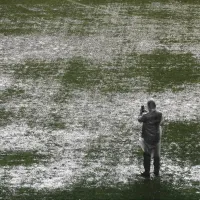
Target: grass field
{"points": [[73, 75]]}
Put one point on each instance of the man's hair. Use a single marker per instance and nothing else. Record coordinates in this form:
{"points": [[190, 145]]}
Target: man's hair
{"points": [[151, 104]]}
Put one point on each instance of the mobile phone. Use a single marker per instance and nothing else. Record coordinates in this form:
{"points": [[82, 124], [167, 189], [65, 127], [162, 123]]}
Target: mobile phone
{"points": [[142, 108]]}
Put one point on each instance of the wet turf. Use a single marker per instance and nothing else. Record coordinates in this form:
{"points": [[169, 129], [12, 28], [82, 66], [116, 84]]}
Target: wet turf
{"points": [[68, 69]]}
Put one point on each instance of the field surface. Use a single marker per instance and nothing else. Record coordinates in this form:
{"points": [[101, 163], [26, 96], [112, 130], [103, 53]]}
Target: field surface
{"points": [[73, 75]]}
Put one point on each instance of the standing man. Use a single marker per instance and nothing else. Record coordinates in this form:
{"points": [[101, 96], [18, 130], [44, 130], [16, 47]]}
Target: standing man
{"points": [[151, 134]]}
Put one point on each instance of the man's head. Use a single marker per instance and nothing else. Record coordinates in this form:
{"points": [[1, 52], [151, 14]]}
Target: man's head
{"points": [[151, 105]]}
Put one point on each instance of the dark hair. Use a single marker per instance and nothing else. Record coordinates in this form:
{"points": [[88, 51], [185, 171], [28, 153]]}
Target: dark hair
{"points": [[151, 104]]}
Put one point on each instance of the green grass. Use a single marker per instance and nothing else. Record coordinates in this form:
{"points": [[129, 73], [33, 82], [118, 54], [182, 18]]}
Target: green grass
{"points": [[151, 72], [79, 74], [96, 1], [54, 122], [155, 72], [166, 70], [24, 20], [33, 69], [181, 141], [6, 117], [10, 94], [86, 17], [27, 158], [139, 190]]}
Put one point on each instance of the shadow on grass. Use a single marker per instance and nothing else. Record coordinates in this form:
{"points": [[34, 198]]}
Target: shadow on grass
{"points": [[139, 190]]}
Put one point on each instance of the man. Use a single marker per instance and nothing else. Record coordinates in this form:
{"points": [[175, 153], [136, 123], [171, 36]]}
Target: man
{"points": [[150, 141]]}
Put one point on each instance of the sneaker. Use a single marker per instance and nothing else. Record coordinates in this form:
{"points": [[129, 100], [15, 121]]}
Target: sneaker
{"points": [[145, 174]]}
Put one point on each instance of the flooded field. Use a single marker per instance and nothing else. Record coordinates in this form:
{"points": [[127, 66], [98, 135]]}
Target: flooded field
{"points": [[73, 75]]}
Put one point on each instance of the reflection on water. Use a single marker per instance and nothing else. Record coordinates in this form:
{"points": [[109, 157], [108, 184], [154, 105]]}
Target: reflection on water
{"points": [[73, 79]]}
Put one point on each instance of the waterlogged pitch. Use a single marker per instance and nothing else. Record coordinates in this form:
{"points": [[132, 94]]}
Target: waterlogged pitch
{"points": [[73, 75]]}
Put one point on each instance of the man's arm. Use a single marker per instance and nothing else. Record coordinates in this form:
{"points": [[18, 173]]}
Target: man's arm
{"points": [[142, 117]]}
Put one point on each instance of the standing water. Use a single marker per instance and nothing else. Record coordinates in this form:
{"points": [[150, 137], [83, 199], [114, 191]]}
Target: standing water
{"points": [[73, 75]]}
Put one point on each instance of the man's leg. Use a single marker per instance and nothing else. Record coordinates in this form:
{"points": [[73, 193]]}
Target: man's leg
{"points": [[157, 160], [156, 166], [147, 164]]}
